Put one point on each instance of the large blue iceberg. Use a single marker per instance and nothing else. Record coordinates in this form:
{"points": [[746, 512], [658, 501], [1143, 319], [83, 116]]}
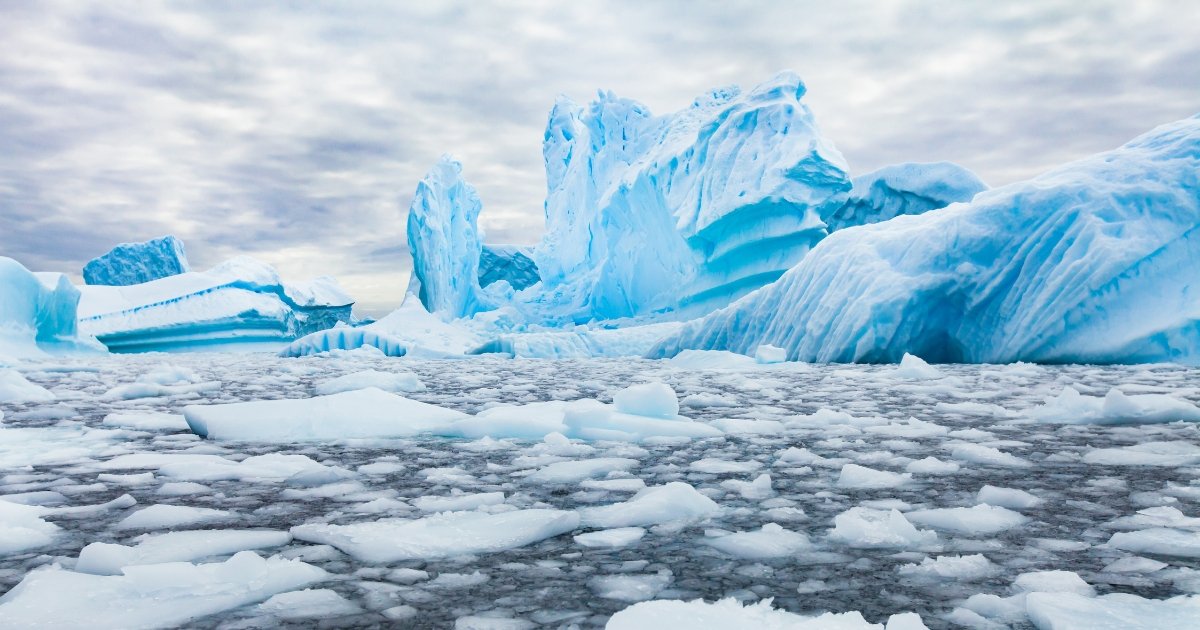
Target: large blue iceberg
{"points": [[135, 263], [37, 313], [685, 211], [240, 304], [445, 244], [1097, 261], [908, 188]]}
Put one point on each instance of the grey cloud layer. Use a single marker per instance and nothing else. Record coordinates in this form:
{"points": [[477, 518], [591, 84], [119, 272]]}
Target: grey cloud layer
{"points": [[297, 133]]}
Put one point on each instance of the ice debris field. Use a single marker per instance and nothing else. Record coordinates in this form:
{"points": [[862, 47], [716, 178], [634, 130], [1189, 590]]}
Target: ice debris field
{"points": [[352, 488], [701, 401]]}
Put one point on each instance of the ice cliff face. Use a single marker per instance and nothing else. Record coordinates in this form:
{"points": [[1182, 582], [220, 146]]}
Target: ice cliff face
{"points": [[684, 211], [37, 313], [239, 304], [135, 263], [1094, 262], [909, 188], [444, 241], [509, 263]]}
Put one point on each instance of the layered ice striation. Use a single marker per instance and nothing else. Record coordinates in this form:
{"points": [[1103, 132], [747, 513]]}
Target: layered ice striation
{"points": [[510, 263], [444, 241], [1092, 262], [908, 188], [682, 211], [135, 263], [37, 313], [241, 303]]}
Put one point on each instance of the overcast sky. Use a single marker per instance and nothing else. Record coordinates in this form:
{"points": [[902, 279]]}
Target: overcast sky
{"points": [[296, 133]]}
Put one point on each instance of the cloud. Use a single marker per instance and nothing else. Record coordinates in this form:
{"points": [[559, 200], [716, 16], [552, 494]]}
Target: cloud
{"points": [[296, 133]]}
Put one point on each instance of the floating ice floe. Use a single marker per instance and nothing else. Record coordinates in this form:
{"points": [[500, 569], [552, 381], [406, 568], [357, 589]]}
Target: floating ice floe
{"points": [[15, 388], [638, 412], [1146, 454], [611, 538], [866, 528], [669, 503], [1116, 611], [980, 519], [406, 382], [729, 613], [771, 541], [149, 596], [364, 413], [1115, 407], [181, 546], [442, 535], [22, 528]]}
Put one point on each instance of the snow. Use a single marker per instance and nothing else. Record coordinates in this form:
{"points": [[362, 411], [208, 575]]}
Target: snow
{"points": [[38, 314], [362, 413], [672, 502], [179, 546], [239, 304], [445, 243], [135, 263], [908, 188], [729, 613], [869, 528], [1115, 407], [441, 535], [150, 596], [1082, 264]]}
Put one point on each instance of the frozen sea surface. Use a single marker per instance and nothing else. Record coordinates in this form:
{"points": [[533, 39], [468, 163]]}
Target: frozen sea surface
{"points": [[828, 497]]}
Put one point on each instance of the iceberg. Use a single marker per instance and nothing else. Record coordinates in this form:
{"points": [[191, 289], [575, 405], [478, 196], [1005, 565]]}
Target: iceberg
{"points": [[1092, 262], [908, 188], [509, 263], [682, 211], [38, 314], [444, 241], [239, 304], [136, 263]]}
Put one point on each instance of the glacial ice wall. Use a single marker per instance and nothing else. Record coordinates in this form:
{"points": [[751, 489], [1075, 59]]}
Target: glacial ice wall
{"points": [[907, 188], [37, 313], [444, 241], [686, 211], [1093, 262], [239, 304], [135, 263]]}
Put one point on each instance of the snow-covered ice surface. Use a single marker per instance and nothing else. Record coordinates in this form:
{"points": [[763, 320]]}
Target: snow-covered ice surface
{"points": [[829, 488]]}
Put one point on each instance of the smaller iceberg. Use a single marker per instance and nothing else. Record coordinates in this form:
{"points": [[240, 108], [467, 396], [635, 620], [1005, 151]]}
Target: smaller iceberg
{"points": [[239, 304], [38, 313], [136, 263]]}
